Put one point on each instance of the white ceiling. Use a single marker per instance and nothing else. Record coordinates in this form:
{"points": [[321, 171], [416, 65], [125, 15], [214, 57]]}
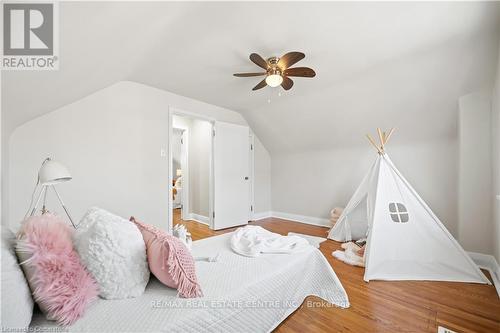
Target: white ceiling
{"points": [[378, 64]]}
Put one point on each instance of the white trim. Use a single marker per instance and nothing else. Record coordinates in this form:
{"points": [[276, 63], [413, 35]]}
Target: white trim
{"points": [[262, 215], [170, 202], [184, 113], [322, 222], [488, 262], [185, 203], [251, 176], [199, 218], [211, 179]]}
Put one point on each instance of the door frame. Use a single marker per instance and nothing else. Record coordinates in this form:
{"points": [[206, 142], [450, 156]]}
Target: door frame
{"points": [[251, 174], [182, 113], [184, 162]]}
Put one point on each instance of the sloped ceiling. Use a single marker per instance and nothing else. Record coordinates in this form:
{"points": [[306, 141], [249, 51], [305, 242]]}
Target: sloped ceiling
{"points": [[378, 64]]}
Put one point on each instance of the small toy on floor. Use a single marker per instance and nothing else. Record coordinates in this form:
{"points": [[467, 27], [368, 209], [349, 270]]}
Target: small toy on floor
{"points": [[353, 254]]}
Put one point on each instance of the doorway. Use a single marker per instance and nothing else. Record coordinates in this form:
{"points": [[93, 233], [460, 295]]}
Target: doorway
{"points": [[210, 172], [191, 150]]}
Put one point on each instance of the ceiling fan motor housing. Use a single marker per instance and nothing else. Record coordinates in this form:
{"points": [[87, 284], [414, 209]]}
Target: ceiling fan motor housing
{"points": [[273, 68], [273, 61]]}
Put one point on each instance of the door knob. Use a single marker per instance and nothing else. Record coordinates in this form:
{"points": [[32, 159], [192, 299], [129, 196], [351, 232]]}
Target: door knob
{"points": [[246, 178]]}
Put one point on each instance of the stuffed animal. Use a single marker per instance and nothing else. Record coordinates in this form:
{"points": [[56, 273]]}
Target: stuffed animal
{"points": [[353, 254], [335, 214], [183, 234]]}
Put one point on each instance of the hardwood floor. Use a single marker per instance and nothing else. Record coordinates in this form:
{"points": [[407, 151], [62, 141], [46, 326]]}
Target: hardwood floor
{"points": [[378, 306]]}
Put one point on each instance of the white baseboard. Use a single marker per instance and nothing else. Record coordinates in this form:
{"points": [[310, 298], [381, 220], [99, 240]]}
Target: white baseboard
{"points": [[488, 262], [303, 219], [199, 218], [293, 217], [262, 215]]}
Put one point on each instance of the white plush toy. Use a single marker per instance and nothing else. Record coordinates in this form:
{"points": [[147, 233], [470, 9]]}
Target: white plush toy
{"points": [[183, 234]]}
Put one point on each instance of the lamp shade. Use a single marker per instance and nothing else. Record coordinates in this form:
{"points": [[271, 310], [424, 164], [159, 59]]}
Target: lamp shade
{"points": [[274, 80], [52, 172]]}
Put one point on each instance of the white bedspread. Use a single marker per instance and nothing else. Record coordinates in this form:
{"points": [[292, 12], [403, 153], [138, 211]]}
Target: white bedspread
{"points": [[241, 294], [253, 240]]}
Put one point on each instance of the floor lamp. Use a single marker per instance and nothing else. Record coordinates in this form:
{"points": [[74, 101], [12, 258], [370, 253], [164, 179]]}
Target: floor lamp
{"points": [[50, 174]]}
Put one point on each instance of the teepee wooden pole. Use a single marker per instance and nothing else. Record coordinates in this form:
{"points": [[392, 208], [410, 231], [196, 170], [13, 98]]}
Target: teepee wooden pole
{"points": [[389, 135], [373, 143], [381, 138]]}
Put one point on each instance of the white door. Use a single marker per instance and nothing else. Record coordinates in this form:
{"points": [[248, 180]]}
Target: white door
{"points": [[231, 176]]}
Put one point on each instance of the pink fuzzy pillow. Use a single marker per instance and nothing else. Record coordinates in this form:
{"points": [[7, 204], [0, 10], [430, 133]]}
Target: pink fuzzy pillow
{"points": [[170, 260], [61, 286]]}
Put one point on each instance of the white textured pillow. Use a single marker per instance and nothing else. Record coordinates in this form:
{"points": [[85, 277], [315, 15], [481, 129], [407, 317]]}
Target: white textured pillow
{"points": [[17, 303], [113, 250]]}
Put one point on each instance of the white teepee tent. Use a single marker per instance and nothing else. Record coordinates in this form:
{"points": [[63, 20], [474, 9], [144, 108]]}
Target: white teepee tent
{"points": [[405, 240]]}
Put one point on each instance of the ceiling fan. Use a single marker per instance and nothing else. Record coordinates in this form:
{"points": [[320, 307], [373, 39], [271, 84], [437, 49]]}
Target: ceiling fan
{"points": [[278, 70]]}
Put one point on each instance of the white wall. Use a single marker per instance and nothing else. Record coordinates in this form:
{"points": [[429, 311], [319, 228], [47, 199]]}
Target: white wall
{"points": [[4, 165], [474, 193], [111, 142], [495, 128], [311, 184], [2, 177], [262, 178]]}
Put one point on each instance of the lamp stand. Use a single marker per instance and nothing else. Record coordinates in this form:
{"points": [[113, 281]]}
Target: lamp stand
{"points": [[44, 210]]}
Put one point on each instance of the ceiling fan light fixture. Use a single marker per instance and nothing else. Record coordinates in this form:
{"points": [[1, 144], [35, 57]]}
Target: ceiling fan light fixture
{"points": [[278, 70], [274, 80]]}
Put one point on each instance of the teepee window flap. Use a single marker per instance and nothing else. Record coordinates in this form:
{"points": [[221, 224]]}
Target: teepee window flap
{"points": [[398, 212]]}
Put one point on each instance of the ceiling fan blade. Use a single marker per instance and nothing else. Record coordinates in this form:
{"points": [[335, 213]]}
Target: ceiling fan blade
{"points": [[261, 85], [258, 60], [248, 74], [300, 71], [289, 59], [287, 83]]}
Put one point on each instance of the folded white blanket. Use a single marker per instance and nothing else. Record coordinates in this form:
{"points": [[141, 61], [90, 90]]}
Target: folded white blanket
{"points": [[252, 241]]}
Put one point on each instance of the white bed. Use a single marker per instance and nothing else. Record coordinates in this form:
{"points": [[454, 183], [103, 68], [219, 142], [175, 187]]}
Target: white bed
{"points": [[241, 294]]}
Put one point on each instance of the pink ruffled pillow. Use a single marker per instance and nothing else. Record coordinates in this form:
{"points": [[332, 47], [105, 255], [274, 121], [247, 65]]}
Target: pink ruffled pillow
{"points": [[169, 260], [61, 285]]}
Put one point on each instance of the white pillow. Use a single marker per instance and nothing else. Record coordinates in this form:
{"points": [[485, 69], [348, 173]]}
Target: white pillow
{"points": [[113, 250], [17, 303]]}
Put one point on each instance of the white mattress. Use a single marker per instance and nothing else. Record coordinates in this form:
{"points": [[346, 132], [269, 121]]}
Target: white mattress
{"points": [[241, 294]]}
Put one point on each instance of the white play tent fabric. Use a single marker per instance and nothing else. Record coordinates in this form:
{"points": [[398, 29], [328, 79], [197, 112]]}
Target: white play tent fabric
{"points": [[406, 241]]}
